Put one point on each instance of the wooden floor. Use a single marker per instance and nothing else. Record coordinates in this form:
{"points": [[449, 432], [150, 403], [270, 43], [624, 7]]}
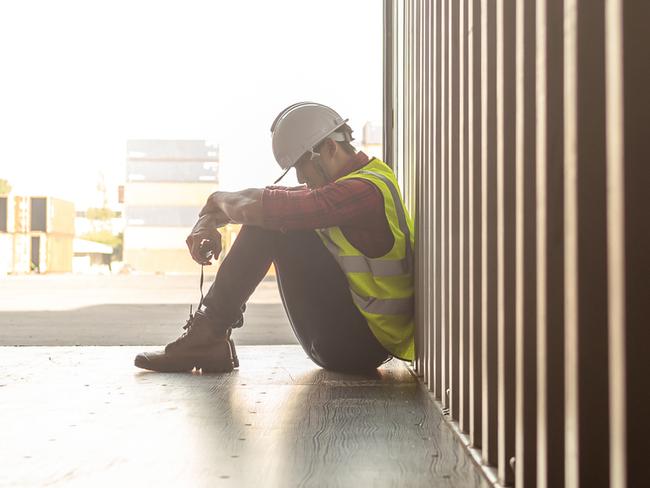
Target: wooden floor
{"points": [[85, 416]]}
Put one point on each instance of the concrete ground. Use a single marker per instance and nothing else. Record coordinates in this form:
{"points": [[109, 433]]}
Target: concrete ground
{"points": [[86, 417], [69, 310]]}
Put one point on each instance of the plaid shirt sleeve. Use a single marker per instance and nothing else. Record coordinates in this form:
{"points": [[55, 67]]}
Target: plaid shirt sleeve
{"points": [[348, 202], [287, 188]]}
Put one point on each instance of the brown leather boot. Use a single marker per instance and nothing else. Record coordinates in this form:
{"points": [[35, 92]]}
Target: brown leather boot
{"points": [[198, 347]]}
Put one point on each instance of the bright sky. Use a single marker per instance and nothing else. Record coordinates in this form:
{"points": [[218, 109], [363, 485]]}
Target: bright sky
{"points": [[79, 78]]}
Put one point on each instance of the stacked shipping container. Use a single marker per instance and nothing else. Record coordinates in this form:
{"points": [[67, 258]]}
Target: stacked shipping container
{"points": [[36, 234]]}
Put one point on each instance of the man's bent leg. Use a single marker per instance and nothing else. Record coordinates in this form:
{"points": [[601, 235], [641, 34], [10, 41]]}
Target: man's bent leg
{"points": [[241, 271], [206, 344], [315, 294], [317, 298], [314, 290]]}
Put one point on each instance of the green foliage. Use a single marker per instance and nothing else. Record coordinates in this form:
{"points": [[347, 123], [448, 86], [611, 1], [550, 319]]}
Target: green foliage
{"points": [[102, 214], [5, 187]]}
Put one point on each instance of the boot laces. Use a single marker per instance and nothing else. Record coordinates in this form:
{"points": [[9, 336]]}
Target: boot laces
{"points": [[190, 321]]}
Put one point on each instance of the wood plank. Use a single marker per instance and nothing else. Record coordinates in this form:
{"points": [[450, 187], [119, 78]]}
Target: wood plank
{"points": [[506, 235], [526, 279], [86, 416], [476, 222]]}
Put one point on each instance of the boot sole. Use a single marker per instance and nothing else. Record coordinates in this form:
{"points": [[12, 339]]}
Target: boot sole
{"points": [[216, 367], [185, 365]]}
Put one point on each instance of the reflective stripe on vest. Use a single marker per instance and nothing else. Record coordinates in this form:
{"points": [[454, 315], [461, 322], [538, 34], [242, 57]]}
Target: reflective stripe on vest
{"points": [[384, 306], [381, 288], [363, 264], [401, 218], [376, 266]]}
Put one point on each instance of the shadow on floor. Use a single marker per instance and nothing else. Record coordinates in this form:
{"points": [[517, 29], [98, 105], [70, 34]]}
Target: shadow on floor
{"points": [[128, 324]]}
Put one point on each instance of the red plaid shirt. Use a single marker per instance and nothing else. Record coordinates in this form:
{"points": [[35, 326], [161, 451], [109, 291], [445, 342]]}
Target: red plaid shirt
{"points": [[354, 205]]}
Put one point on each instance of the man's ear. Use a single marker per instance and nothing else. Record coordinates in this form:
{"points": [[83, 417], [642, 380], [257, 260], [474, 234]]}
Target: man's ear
{"points": [[329, 148]]}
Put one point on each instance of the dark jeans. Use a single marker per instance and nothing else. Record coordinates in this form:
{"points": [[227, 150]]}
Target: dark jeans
{"points": [[314, 291]]}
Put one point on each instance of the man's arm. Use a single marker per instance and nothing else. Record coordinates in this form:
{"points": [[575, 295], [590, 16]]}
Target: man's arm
{"points": [[239, 207], [353, 201], [286, 188]]}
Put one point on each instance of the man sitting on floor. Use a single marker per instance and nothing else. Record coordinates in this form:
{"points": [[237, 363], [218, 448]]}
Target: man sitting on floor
{"points": [[342, 246]]}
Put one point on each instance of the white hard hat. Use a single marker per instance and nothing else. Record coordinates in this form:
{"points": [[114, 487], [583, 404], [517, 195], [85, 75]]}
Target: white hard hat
{"points": [[300, 127]]}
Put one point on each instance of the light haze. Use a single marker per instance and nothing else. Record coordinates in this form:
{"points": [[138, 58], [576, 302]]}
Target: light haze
{"points": [[79, 78]]}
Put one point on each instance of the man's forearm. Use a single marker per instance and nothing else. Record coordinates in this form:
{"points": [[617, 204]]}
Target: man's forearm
{"points": [[240, 207], [213, 219]]}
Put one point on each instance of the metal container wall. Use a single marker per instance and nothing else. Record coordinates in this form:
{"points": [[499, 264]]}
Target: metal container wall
{"points": [[519, 133]]}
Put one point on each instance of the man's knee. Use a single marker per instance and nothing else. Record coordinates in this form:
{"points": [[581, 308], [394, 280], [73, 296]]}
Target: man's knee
{"points": [[253, 237], [255, 231]]}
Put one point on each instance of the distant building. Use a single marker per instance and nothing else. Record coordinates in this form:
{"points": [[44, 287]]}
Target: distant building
{"points": [[372, 139], [91, 257], [36, 234], [167, 184]]}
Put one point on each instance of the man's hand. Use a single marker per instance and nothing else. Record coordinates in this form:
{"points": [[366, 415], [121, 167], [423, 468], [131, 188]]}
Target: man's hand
{"points": [[204, 242]]}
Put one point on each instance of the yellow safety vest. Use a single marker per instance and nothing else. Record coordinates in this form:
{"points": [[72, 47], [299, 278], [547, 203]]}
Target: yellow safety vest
{"points": [[381, 288]]}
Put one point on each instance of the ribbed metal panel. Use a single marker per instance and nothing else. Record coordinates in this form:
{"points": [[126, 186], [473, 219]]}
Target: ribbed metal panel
{"points": [[518, 130]]}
